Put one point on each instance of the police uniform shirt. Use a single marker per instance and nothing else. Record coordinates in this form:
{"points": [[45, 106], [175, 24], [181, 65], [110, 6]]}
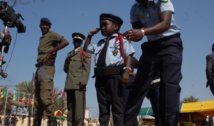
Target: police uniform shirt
{"points": [[150, 16], [113, 54], [46, 43]]}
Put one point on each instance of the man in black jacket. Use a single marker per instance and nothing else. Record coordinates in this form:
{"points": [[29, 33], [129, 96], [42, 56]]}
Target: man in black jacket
{"points": [[210, 70]]}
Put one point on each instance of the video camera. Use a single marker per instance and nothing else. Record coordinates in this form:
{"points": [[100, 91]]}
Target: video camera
{"points": [[10, 19]]}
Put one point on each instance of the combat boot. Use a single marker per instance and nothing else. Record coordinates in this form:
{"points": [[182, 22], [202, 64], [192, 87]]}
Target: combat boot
{"points": [[52, 121], [37, 121]]}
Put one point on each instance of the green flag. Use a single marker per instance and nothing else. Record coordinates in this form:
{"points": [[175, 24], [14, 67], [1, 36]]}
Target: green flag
{"points": [[3, 94], [16, 96]]}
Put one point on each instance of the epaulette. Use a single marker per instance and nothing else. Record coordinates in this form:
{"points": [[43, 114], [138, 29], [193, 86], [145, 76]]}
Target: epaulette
{"points": [[83, 54]]}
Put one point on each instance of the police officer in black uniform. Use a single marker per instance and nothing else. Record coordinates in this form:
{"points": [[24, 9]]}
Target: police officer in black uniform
{"points": [[210, 70], [162, 52]]}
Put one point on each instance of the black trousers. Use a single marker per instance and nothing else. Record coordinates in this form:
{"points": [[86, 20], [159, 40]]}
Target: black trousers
{"points": [[165, 56], [111, 99], [154, 98]]}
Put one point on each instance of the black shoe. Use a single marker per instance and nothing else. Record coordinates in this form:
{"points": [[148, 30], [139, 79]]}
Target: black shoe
{"points": [[37, 121], [52, 121]]}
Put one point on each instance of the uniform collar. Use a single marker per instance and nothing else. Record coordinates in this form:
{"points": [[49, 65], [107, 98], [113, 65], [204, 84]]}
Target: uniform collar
{"points": [[43, 36], [77, 49], [113, 35]]}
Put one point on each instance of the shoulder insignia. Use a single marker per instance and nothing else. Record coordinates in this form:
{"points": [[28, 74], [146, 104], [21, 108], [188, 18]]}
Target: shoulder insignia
{"points": [[164, 1], [83, 54]]}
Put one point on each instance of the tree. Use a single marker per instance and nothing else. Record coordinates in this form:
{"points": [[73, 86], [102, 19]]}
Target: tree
{"points": [[25, 87], [28, 88], [189, 99]]}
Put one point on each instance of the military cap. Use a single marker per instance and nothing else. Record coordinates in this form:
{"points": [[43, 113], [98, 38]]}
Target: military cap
{"points": [[46, 20], [111, 17], [77, 35]]}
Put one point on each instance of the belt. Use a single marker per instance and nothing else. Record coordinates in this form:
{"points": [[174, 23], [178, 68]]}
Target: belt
{"points": [[42, 64], [106, 71], [166, 37]]}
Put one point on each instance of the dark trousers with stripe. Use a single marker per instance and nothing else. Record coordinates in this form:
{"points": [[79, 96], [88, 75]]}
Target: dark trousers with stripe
{"points": [[111, 100], [165, 56], [76, 107]]}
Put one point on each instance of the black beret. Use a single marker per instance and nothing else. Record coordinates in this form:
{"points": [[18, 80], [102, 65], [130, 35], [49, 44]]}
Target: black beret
{"points": [[77, 35], [46, 20], [111, 17]]}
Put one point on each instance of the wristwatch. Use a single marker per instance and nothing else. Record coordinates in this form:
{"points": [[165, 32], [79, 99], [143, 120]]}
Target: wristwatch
{"points": [[129, 68], [143, 31]]}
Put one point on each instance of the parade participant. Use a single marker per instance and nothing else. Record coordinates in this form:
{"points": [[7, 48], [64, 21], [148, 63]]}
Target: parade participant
{"points": [[210, 70], [163, 51], [77, 67], [49, 43], [112, 67]]}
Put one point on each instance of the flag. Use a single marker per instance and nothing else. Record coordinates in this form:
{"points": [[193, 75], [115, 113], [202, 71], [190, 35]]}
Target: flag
{"points": [[30, 101], [63, 93], [16, 96], [3, 94], [23, 98]]}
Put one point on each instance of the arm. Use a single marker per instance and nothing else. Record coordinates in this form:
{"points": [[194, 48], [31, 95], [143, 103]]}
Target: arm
{"points": [[161, 27], [209, 68], [86, 68], [125, 75], [63, 43], [137, 33], [88, 39], [66, 64], [5, 35]]}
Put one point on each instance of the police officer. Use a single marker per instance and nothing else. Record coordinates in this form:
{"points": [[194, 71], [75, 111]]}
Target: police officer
{"points": [[77, 67], [49, 43], [210, 70], [163, 52], [113, 64]]}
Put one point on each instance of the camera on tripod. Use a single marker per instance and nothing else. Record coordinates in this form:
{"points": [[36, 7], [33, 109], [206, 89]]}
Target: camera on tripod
{"points": [[10, 19]]}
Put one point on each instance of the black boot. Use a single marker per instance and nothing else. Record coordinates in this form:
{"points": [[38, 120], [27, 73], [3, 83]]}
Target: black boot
{"points": [[52, 121], [37, 121]]}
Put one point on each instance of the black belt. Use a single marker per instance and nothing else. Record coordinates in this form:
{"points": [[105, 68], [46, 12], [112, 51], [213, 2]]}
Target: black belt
{"points": [[166, 37], [105, 71]]}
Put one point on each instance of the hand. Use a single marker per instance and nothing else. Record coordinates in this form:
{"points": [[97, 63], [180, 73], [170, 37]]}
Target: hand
{"points": [[94, 31], [132, 74], [45, 61], [68, 60], [125, 77], [209, 82], [7, 35], [207, 85], [82, 86], [134, 34]]}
